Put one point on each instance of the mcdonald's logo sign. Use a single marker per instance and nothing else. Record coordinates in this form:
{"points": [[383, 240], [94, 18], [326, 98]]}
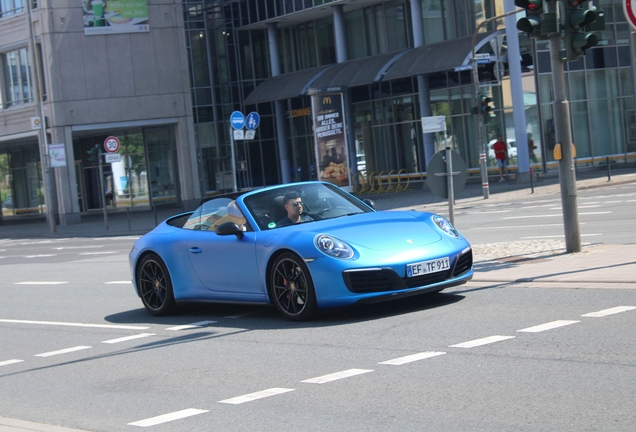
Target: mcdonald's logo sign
{"points": [[326, 100]]}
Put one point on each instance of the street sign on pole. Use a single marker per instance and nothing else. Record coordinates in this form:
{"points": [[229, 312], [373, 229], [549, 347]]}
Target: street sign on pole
{"points": [[433, 124], [111, 144], [252, 121], [237, 120], [629, 7]]}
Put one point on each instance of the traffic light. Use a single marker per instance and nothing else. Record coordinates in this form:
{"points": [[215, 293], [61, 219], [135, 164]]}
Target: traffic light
{"points": [[578, 24], [93, 155], [536, 23], [485, 108]]}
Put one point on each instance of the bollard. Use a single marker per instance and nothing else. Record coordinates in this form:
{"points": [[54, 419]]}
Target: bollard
{"points": [[609, 170], [531, 181], [128, 216], [154, 210]]}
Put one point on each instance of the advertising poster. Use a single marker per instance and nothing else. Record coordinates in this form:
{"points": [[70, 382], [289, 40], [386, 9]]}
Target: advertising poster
{"points": [[330, 137], [115, 16], [57, 155]]}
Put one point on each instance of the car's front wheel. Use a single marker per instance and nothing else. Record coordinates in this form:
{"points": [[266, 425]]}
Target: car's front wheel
{"points": [[291, 288], [155, 286]]}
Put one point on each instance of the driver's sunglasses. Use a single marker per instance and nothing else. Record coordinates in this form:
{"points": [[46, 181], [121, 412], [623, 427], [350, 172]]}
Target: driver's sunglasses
{"points": [[296, 203]]}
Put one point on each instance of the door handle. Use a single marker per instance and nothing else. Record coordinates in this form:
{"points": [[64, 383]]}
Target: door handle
{"points": [[195, 250]]}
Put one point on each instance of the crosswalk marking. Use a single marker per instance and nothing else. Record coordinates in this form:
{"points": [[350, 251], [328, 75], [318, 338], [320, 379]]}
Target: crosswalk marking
{"points": [[336, 376], [177, 415], [257, 395], [411, 358], [482, 341], [610, 311], [63, 351], [547, 326]]}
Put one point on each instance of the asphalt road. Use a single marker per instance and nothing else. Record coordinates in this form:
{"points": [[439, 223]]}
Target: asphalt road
{"points": [[78, 350]]}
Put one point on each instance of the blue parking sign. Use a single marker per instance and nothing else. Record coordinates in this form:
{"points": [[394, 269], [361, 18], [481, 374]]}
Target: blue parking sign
{"points": [[237, 120], [252, 120]]}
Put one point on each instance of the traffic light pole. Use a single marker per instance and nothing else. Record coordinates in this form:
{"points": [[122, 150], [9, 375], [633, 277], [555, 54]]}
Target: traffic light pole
{"points": [[563, 128], [480, 138]]}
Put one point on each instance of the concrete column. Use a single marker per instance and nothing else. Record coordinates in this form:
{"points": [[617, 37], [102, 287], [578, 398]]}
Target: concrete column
{"points": [[65, 178], [516, 88], [279, 107], [422, 80], [340, 34]]}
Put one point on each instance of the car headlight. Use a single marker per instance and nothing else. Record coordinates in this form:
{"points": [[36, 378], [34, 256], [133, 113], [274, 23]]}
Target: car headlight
{"points": [[333, 247], [445, 225]]}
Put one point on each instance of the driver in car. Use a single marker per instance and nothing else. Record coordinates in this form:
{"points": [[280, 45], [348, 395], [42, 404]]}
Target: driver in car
{"points": [[294, 208]]}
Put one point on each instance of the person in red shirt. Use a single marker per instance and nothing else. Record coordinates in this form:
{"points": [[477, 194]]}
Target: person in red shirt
{"points": [[501, 155]]}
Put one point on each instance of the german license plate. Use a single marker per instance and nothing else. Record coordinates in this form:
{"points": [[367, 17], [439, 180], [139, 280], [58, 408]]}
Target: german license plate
{"points": [[426, 267]]}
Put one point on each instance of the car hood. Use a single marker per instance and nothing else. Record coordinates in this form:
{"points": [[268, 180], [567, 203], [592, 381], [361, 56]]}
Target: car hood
{"points": [[386, 230]]}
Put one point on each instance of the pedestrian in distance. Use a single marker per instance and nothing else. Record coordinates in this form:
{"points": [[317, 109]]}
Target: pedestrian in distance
{"points": [[501, 155], [531, 148]]}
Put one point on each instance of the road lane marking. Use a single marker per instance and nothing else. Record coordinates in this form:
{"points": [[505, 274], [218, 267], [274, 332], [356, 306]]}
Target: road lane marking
{"points": [[128, 338], [78, 247], [191, 326], [411, 358], [610, 311], [336, 376], [40, 256], [9, 362], [98, 253], [482, 341], [68, 324], [257, 395], [165, 418], [63, 351], [117, 283], [39, 283], [548, 326]]}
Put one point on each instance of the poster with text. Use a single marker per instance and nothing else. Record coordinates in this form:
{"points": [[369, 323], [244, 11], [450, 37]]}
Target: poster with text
{"points": [[115, 16], [57, 155], [331, 138]]}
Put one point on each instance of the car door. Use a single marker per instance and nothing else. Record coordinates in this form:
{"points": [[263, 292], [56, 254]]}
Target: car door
{"points": [[224, 264]]}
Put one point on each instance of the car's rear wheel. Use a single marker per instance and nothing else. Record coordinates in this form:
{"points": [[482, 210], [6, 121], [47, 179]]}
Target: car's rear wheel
{"points": [[291, 288], [155, 286]]}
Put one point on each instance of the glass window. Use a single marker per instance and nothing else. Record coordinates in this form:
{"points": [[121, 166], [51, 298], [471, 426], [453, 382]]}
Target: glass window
{"points": [[605, 127], [355, 27], [433, 25], [17, 78], [11, 7], [602, 84], [577, 86], [396, 20]]}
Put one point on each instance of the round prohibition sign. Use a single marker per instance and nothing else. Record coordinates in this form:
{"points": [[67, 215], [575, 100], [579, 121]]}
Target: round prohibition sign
{"points": [[111, 144]]}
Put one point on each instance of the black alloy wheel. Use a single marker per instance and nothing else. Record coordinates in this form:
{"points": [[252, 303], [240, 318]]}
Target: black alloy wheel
{"points": [[291, 288], [155, 286]]}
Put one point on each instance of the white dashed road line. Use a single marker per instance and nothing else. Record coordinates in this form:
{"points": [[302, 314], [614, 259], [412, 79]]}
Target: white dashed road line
{"points": [[191, 326], [128, 338], [411, 358], [254, 396], [610, 311], [9, 362], [69, 324], [547, 326], [40, 283], [63, 351], [482, 341], [168, 417], [336, 376]]}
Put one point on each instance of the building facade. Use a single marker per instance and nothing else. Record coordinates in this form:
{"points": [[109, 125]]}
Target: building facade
{"points": [[70, 81], [167, 85]]}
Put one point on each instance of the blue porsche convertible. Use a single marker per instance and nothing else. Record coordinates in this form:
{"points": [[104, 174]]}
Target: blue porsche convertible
{"points": [[302, 247]]}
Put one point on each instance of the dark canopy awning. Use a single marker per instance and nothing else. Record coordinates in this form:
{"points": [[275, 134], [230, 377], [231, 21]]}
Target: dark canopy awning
{"points": [[362, 71], [437, 57], [426, 59], [284, 86]]}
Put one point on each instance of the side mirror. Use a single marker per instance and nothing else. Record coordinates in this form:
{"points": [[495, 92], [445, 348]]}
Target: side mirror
{"points": [[369, 202], [229, 228]]}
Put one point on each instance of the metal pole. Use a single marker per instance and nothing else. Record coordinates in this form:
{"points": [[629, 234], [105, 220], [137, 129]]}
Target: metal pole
{"points": [[44, 146], [233, 156], [102, 198], [449, 178], [567, 176], [482, 145]]}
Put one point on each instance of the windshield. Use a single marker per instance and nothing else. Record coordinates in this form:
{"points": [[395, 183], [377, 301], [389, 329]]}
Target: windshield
{"points": [[308, 202]]}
